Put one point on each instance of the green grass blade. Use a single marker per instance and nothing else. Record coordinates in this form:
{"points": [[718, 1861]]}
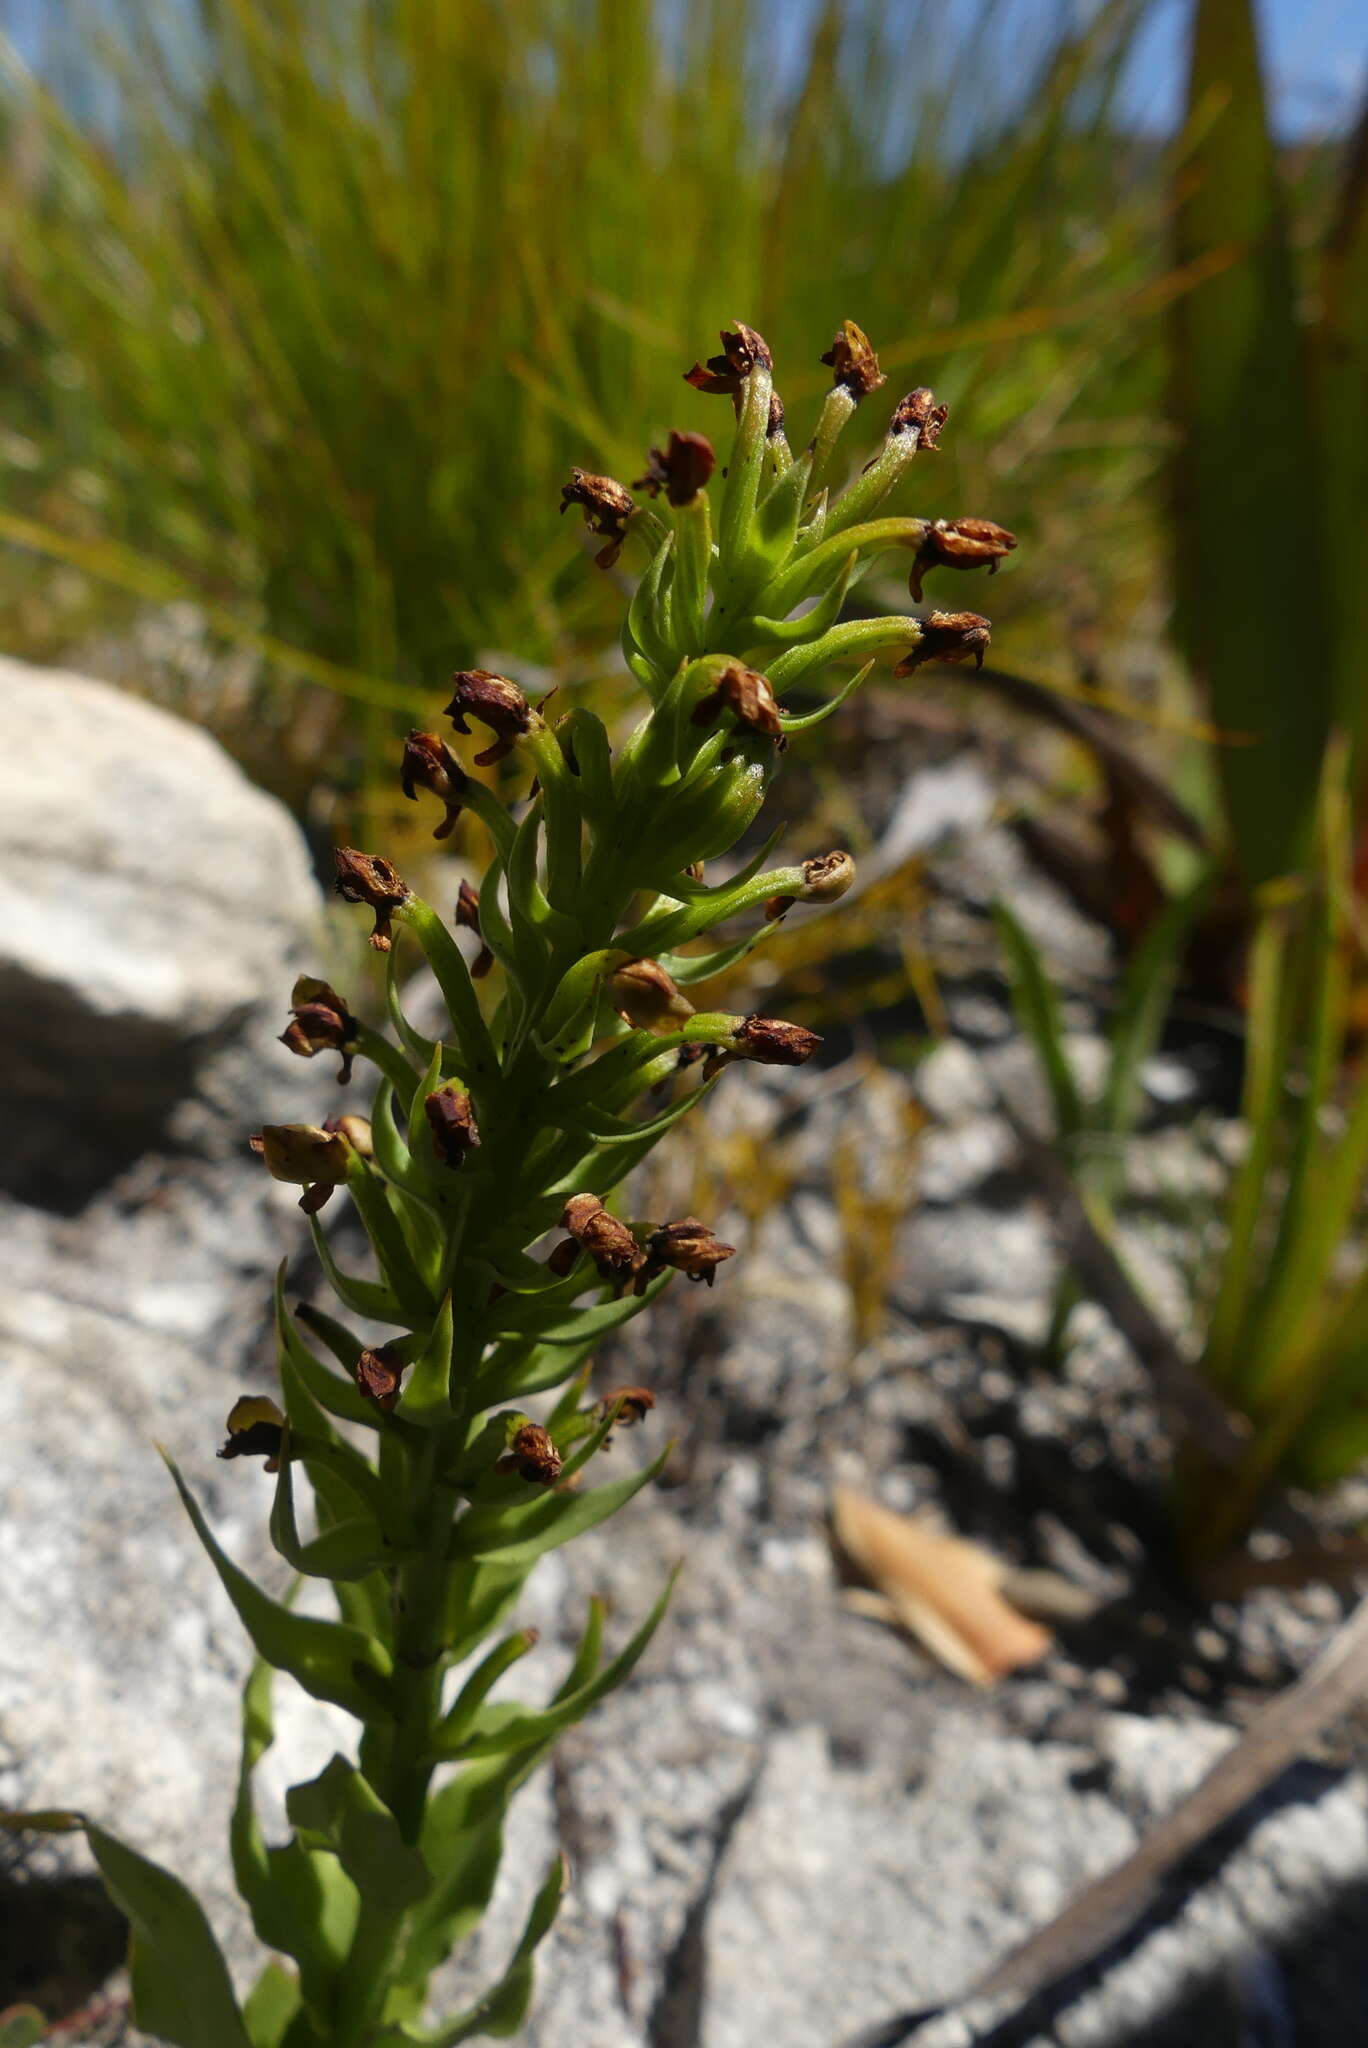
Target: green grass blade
{"points": [[1243, 484]]}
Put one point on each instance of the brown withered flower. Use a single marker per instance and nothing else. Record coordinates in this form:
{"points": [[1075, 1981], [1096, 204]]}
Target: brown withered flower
{"points": [[468, 919], [682, 470], [256, 1429], [608, 1241], [948, 636], [826, 877], [355, 1129], [451, 1120], [645, 996], [919, 414], [497, 703], [853, 361], [633, 1405], [429, 763], [369, 878], [768, 1041], [320, 1022], [749, 697], [726, 373], [532, 1455], [379, 1375], [689, 1247], [608, 505], [959, 544], [305, 1155], [627, 1406]]}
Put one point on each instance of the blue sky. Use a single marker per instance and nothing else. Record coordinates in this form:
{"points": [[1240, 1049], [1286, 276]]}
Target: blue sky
{"points": [[1315, 52]]}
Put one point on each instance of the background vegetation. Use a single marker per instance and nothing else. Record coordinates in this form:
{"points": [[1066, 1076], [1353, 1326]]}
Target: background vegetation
{"points": [[308, 309]]}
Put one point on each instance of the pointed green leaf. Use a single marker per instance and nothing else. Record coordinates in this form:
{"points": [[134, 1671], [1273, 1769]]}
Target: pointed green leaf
{"points": [[507, 1725], [181, 1988], [518, 1537], [502, 2010], [330, 1659]]}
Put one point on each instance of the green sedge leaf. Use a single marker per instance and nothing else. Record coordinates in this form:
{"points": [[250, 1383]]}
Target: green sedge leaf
{"points": [[331, 1660], [1033, 999]]}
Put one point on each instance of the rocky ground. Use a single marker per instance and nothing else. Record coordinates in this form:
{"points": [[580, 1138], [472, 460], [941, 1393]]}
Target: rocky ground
{"points": [[790, 1826]]}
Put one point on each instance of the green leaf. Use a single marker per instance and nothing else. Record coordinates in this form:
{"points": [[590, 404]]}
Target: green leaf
{"points": [[506, 1725], [349, 1549], [427, 1389], [1145, 994], [585, 1326], [301, 1902], [362, 1297], [21, 2026], [181, 1988], [342, 1398], [518, 1536], [271, 2004], [375, 1204], [1033, 999], [330, 1659], [503, 2009], [341, 1811], [1241, 489]]}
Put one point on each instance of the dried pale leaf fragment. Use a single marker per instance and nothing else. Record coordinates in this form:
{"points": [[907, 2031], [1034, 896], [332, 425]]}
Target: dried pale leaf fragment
{"points": [[943, 1590]]}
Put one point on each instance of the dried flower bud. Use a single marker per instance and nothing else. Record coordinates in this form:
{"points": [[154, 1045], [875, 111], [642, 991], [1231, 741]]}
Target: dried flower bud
{"points": [[256, 1429], [532, 1455], [948, 636], [563, 1257], [853, 361], [468, 919], [682, 470], [321, 1022], [643, 993], [497, 703], [608, 1241], [379, 1375], [959, 544], [748, 696], [725, 374], [768, 1041], [825, 877], [919, 414], [452, 1122], [690, 1247], [355, 1129], [370, 879], [430, 764], [608, 505], [306, 1156]]}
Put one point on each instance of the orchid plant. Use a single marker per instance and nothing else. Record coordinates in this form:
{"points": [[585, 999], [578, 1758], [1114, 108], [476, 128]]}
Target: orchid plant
{"points": [[444, 1461]]}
